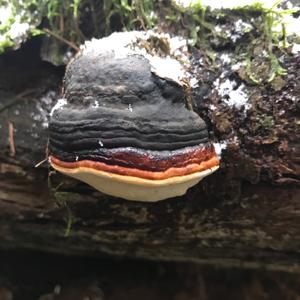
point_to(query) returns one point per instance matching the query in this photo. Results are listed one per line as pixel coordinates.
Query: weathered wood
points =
(247, 214)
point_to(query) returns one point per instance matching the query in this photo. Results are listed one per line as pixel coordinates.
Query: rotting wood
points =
(11, 141)
(247, 214)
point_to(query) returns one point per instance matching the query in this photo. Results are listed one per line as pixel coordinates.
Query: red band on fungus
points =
(171, 172)
(149, 162)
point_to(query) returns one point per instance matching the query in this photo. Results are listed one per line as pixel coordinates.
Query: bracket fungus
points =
(122, 125)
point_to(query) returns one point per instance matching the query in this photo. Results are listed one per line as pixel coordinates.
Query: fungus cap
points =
(122, 125)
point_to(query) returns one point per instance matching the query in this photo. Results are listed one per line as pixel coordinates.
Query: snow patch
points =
(238, 65)
(291, 25)
(212, 107)
(225, 58)
(296, 48)
(96, 104)
(167, 68)
(130, 108)
(194, 82)
(5, 14)
(219, 147)
(231, 94)
(59, 105)
(18, 29)
(241, 27)
(222, 145)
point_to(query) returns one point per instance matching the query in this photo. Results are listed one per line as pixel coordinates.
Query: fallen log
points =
(246, 214)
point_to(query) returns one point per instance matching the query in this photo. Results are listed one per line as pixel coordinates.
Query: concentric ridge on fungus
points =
(122, 125)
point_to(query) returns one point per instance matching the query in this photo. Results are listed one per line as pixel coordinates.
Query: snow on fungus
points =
(134, 43)
(60, 104)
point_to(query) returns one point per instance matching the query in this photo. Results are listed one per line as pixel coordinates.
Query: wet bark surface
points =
(247, 214)
(32, 275)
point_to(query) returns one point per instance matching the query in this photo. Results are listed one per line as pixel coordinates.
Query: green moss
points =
(71, 22)
(200, 22)
(266, 121)
(271, 40)
(7, 43)
(70, 220)
(62, 200)
(19, 13)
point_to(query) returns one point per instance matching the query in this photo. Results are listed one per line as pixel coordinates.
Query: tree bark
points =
(246, 214)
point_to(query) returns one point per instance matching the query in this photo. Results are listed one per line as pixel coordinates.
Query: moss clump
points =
(265, 36)
(69, 23)
(266, 121)
(62, 199)
(271, 40)
(72, 21)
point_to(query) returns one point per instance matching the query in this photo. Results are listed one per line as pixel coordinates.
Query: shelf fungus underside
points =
(126, 131)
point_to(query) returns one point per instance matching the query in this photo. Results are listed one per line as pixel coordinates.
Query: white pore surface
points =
(134, 188)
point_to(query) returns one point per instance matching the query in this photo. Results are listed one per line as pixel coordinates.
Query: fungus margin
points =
(135, 188)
